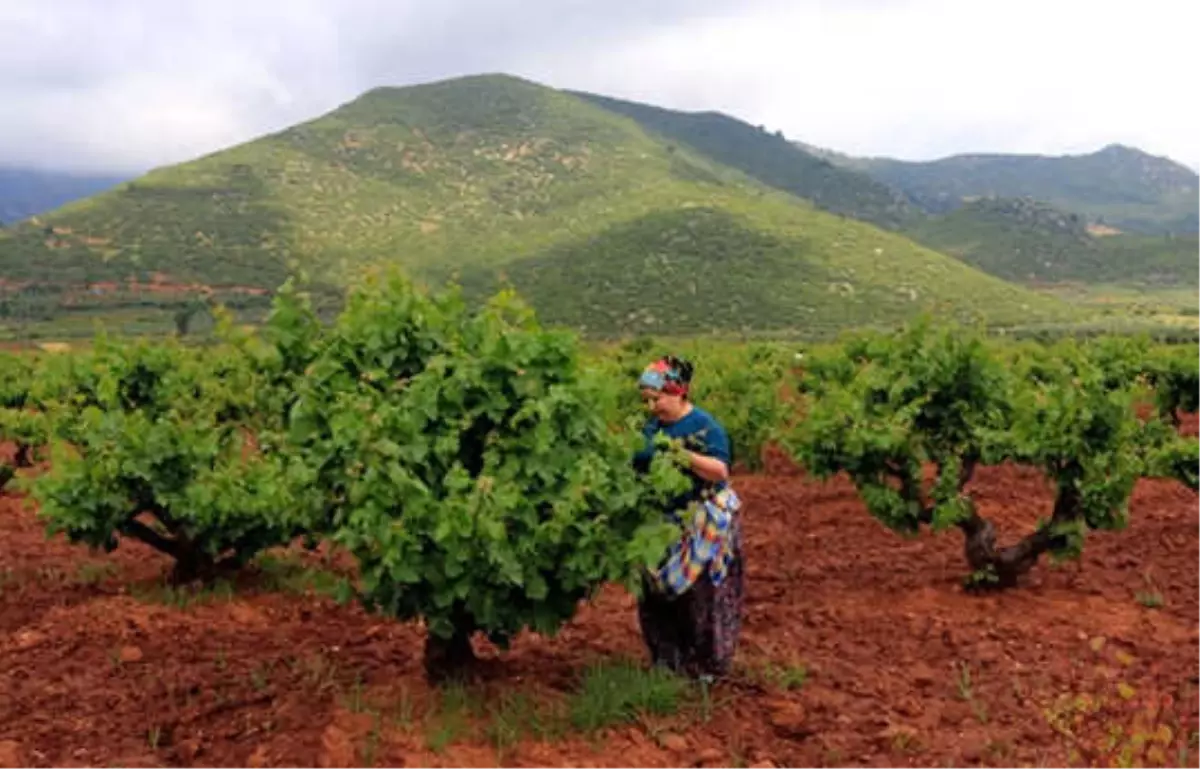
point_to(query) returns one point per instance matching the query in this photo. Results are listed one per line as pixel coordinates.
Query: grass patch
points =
(783, 676)
(1150, 596)
(371, 744)
(966, 692)
(356, 700)
(260, 677)
(318, 673)
(277, 575)
(286, 575)
(183, 596)
(609, 693)
(8, 579)
(89, 574)
(1151, 599)
(619, 692)
(403, 710)
(517, 715)
(450, 721)
(791, 677)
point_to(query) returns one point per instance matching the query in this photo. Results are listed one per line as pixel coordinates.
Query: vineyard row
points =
(477, 466)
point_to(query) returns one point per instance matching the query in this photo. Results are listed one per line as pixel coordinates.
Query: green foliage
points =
(21, 422)
(278, 355)
(16, 377)
(1180, 459)
(1123, 362)
(469, 463)
(1174, 373)
(1070, 422)
(881, 407)
(746, 389)
(27, 430)
(159, 450)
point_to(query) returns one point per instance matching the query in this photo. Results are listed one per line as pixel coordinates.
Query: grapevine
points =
(22, 422)
(882, 408)
(151, 443)
(467, 461)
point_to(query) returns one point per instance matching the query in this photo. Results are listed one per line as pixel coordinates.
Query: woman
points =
(690, 612)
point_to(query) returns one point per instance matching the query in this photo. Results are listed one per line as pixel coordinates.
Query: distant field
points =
(1166, 306)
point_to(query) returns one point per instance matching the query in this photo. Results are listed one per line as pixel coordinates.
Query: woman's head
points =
(665, 384)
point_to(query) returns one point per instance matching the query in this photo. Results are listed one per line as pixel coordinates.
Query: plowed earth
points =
(904, 667)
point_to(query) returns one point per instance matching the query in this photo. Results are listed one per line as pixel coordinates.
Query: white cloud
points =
(926, 78)
(129, 84)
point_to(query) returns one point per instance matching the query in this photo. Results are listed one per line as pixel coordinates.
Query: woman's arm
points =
(708, 468)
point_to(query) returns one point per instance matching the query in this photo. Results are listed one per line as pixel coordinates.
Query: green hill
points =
(491, 176)
(772, 160)
(1119, 186)
(1024, 238)
(740, 264)
(1164, 260)
(1032, 242)
(1014, 238)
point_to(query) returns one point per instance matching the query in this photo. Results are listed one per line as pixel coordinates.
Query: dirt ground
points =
(98, 668)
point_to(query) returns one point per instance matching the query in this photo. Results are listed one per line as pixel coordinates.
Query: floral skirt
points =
(695, 633)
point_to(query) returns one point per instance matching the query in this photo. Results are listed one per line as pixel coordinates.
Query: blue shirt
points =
(700, 433)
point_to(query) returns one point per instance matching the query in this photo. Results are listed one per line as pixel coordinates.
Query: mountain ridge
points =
(770, 159)
(1118, 185)
(1032, 242)
(491, 176)
(26, 192)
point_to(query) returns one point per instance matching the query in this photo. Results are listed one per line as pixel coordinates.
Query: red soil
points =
(91, 675)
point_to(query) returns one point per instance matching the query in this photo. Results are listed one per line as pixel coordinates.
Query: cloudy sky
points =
(126, 85)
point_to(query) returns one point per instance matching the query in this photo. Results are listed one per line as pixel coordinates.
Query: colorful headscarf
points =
(662, 376)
